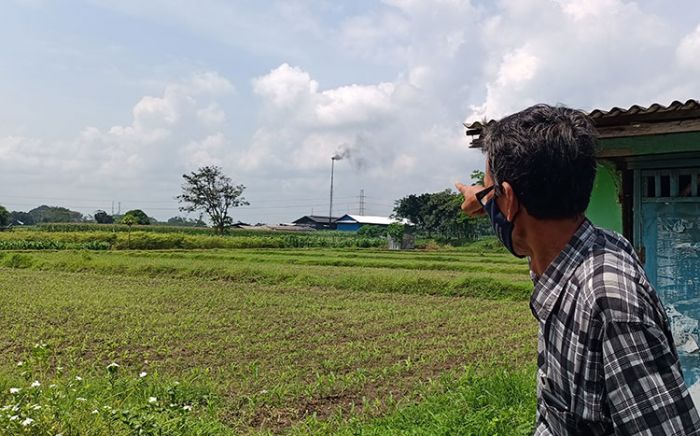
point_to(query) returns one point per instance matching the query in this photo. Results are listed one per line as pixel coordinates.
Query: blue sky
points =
(105, 101)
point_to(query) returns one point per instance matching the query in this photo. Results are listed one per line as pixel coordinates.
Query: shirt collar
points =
(549, 285)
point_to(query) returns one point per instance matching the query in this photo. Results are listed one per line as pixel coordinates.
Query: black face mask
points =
(502, 227)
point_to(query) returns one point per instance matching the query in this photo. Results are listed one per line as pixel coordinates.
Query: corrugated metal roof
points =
(317, 218)
(677, 110)
(616, 116)
(363, 219)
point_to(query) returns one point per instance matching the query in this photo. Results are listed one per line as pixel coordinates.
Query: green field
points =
(266, 340)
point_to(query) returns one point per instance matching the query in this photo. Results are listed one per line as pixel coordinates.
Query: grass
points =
(324, 271)
(143, 237)
(261, 341)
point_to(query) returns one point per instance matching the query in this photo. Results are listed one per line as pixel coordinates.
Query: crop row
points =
(501, 285)
(320, 257)
(276, 358)
(142, 240)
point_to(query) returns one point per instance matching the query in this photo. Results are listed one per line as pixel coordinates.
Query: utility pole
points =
(112, 207)
(362, 202)
(119, 208)
(330, 210)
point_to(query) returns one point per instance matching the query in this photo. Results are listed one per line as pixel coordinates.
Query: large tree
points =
(210, 191)
(4, 216)
(102, 217)
(139, 216)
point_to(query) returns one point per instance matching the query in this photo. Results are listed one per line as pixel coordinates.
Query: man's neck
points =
(547, 238)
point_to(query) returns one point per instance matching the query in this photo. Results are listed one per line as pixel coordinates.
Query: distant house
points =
(317, 222)
(351, 223)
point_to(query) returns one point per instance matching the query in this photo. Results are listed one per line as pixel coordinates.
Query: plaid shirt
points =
(606, 359)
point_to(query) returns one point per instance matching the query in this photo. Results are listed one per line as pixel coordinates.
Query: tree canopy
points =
(138, 216)
(4, 217)
(210, 191)
(54, 214)
(102, 217)
(439, 214)
(186, 222)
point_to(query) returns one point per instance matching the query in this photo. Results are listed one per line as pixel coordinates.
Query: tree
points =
(55, 214)
(477, 177)
(21, 218)
(439, 214)
(101, 217)
(186, 222)
(138, 215)
(209, 190)
(4, 216)
(412, 208)
(129, 220)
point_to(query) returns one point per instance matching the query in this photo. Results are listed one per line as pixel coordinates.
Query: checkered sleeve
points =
(646, 392)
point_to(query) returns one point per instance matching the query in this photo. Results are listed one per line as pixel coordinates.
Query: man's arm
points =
(644, 384)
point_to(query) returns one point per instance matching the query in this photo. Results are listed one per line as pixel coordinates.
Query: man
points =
(606, 359)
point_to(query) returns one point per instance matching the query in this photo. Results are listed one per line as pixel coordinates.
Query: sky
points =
(111, 102)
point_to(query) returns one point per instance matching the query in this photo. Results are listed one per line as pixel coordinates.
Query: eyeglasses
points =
(483, 193)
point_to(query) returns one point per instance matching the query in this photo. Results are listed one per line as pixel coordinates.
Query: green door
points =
(669, 223)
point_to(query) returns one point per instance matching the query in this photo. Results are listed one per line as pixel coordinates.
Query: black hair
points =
(547, 154)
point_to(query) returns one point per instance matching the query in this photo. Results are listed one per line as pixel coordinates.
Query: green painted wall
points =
(605, 209)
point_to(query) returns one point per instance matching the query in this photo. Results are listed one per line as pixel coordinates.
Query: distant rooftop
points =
(317, 218)
(364, 219)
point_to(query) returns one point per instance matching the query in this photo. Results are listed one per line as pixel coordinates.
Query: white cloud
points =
(211, 115)
(163, 134)
(390, 81)
(688, 52)
(583, 53)
(285, 85)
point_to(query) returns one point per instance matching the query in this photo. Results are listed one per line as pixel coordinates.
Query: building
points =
(317, 222)
(355, 222)
(648, 188)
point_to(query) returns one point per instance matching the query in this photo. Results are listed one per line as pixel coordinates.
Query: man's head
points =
(547, 155)
(540, 167)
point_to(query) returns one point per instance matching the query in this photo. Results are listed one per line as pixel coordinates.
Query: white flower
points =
(36, 407)
(15, 408)
(264, 391)
(152, 400)
(187, 407)
(36, 384)
(4, 408)
(78, 378)
(20, 363)
(15, 390)
(113, 365)
(27, 422)
(80, 399)
(59, 368)
(14, 418)
(143, 374)
(95, 412)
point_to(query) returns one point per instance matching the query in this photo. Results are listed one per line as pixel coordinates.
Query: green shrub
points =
(369, 231)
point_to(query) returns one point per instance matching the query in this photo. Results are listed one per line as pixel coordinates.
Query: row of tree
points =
(207, 190)
(56, 214)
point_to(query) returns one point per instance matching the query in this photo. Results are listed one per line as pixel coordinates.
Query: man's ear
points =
(511, 204)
